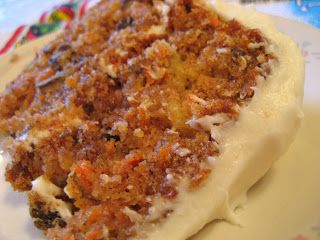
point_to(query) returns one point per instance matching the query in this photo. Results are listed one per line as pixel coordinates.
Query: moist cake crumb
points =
(113, 112)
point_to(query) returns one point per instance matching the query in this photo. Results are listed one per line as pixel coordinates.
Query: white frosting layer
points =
(263, 132)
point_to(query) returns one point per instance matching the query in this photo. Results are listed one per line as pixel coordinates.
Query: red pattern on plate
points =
(49, 21)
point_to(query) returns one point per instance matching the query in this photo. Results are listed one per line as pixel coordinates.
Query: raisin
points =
(64, 47)
(13, 134)
(61, 223)
(237, 52)
(118, 84)
(44, 220)
(54, 61)
(88, 108)
(187, 6)
(110, 137)
(135, 207)
(124, 22)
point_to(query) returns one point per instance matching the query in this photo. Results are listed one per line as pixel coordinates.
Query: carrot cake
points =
(124, 111)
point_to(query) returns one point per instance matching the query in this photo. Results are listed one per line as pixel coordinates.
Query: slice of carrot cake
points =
(146, 118)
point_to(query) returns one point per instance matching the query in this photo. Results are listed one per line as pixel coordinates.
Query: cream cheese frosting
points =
(263, 132)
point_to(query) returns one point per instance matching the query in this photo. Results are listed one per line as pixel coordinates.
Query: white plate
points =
(284, 205)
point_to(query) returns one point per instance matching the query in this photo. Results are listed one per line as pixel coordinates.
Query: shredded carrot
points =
(198, 179)
(215, 21)
(134, 160)
(68, 237)
(253, 74)
(142, 117)
(84, 172)
(94, 234)
(165, 151)
(130, 115)
(150, 80)
(71, 82)
(96, 214)
(84, 169)
(110, 147)
(127, 164)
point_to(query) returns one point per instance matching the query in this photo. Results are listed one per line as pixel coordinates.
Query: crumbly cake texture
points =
(112, 113)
